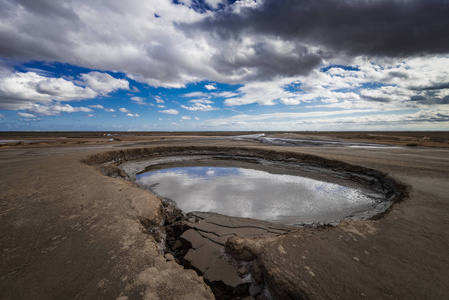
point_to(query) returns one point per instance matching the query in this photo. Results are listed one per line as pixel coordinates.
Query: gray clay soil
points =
(69, 232)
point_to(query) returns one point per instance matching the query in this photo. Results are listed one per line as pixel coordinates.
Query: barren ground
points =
(69, 232)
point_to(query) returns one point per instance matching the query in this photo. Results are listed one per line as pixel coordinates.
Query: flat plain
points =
(69, 232)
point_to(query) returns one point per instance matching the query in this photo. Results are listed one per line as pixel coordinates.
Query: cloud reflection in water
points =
(255, 194)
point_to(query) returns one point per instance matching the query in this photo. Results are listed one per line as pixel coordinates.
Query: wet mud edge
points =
(224, 249)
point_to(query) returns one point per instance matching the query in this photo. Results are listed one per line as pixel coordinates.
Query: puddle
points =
(307, 142)
(250, 193)
(4, 142)
(317, 143)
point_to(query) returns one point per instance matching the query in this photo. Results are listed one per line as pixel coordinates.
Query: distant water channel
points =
(250, 193)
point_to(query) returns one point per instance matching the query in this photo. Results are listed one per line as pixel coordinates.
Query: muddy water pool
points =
(250, 193)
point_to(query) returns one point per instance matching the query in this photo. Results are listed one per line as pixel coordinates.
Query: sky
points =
(217, 65)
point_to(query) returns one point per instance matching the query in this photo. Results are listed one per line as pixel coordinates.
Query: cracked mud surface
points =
(68, 232)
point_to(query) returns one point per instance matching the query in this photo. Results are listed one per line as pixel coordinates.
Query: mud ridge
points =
(394, 191)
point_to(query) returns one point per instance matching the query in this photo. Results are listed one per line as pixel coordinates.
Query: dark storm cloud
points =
(435, 86)
(43, 34)
(265, 63)
(101, 35)
(433, 119)
(351, 27)
(430, 99)
(49, 8)
(240, 42)
(400, 75)
(376, 99)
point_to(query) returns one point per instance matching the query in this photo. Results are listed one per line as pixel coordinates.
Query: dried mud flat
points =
(69, 232)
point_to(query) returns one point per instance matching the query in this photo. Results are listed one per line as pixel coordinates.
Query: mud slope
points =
(68, 232)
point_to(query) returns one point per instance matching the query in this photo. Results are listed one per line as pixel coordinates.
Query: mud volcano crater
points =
(223, 248)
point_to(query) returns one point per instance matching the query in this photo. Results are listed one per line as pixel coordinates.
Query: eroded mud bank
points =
(225, 250)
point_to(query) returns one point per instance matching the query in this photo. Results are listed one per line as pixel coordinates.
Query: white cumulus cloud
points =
(26, 115)
(170, 111)
(138, 100)
(103, 83)
(210, 87)
(199, 107)
(98, 106)
(55, 109)
(19, 90)
(159, 99)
